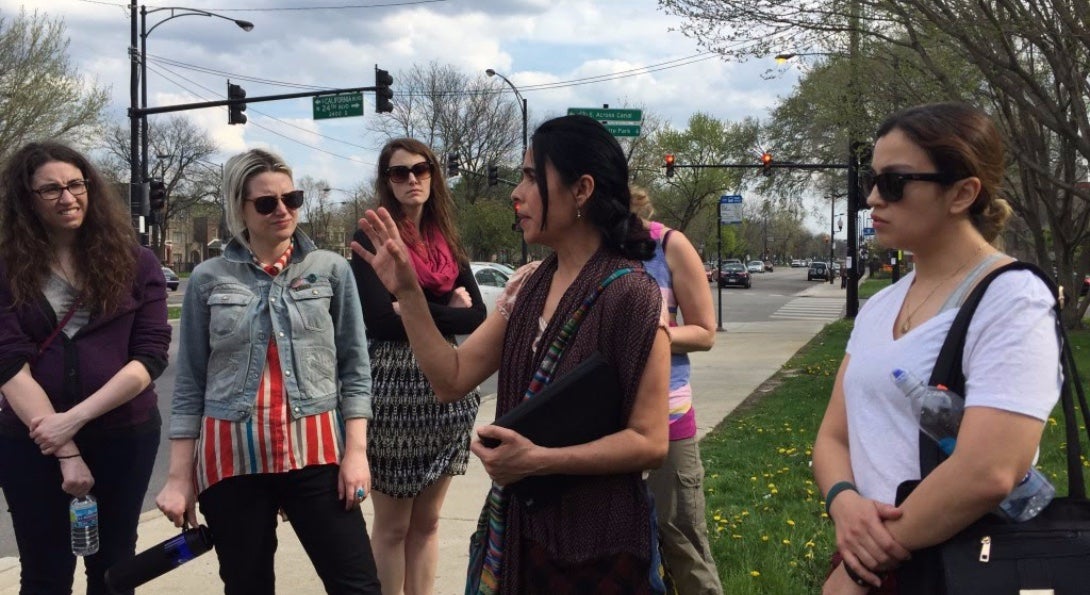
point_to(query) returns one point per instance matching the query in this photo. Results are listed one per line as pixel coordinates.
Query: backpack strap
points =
(948, 372)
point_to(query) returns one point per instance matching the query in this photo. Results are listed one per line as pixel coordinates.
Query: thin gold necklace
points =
(906, 324)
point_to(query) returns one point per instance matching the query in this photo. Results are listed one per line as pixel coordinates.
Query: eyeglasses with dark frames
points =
(265, 205)
(54, 191)
(399, 174)
(891, 185)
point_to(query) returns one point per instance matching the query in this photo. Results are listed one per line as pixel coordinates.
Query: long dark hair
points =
(964, 141)
(439, 208)
(578, 146)
(105, 249)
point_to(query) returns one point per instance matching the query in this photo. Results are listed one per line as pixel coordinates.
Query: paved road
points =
(773, 297)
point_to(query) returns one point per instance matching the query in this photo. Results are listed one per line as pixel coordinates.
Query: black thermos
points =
(159, 559)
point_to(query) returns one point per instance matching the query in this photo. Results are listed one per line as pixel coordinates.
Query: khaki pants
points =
(678, 488)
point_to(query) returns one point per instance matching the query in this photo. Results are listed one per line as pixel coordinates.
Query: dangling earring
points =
(578, 213)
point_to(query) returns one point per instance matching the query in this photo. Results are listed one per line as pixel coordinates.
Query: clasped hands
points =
(864, 542)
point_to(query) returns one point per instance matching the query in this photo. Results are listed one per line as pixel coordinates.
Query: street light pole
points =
(525, 136)
(141, 172)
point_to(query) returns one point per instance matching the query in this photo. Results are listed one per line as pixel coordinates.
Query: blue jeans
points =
(241, 513)
(121, 463)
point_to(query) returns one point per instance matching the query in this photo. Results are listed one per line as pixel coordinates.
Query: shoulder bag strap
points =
(545, 372)
(948, 372)
(60, 326)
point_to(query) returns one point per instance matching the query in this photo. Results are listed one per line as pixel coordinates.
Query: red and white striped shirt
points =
(269, 441)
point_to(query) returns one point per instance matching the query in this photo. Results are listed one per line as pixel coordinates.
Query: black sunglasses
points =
(267, 204)
(891, 185)
(399, 174)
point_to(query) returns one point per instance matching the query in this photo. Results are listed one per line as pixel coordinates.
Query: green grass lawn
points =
(766, 518)
(871, 287)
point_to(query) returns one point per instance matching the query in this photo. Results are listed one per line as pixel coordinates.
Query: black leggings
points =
(120, 463)
(241, 512)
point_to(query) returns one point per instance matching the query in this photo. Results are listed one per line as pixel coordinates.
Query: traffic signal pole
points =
(854, 204)
(181, 107)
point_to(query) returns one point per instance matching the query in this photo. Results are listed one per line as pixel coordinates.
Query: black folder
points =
(579, 407)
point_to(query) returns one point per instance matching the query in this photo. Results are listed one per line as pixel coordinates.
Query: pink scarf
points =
(434, 263)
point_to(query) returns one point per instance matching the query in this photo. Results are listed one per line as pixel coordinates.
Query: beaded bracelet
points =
(834, 491)
(68, 456)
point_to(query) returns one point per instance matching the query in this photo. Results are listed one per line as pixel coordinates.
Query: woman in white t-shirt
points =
(933, 190)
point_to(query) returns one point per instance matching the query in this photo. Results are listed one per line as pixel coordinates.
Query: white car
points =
(491, 279)
(756, 266)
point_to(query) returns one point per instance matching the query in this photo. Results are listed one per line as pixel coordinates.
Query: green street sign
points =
(608, 115)
(341, 105)
(623, 129)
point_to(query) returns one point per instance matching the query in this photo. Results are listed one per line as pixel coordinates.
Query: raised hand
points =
(391, 257)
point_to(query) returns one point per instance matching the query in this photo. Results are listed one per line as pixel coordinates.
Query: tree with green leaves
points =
(42, 96)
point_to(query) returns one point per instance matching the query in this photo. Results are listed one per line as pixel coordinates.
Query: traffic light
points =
(383, 94)
(452, 165)
(493, 175)
(156, 199)
(766, 163)
(669, 165)
(235, 115)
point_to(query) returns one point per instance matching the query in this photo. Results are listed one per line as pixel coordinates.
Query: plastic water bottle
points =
(83, 516)
(940, 411)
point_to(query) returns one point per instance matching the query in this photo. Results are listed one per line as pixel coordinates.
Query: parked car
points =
(768, 266)
(172, 279)
(734, 273)
(797, 264)
(755, 266)
(709, 270)
(818, 270)
(491, 279)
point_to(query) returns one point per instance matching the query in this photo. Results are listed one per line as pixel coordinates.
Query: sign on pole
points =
(730, 208)
(341, 105)
(619, 122)
(868, 231)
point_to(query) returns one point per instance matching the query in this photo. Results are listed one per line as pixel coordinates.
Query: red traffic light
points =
(766, 162)
(669, 165)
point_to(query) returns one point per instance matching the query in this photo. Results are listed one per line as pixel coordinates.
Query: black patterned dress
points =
(412, 438)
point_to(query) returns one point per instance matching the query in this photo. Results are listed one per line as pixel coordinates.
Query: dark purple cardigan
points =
(72, 369)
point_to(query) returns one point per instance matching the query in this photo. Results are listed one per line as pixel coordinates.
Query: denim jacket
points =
(231, 309)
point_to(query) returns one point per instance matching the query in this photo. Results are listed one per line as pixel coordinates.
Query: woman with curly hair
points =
(83, 333)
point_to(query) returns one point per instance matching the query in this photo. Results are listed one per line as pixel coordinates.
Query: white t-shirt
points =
(1011, 362)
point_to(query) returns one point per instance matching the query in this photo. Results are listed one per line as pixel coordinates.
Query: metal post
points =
(525, 141)
(135, 186)
(143, 104)
(832, 237)
(718, 269)
(854, 149)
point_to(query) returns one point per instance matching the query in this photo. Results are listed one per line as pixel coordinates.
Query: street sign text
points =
(341, 105)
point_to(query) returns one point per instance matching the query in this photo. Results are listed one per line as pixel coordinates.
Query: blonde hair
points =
(641, 203)
(238, 172)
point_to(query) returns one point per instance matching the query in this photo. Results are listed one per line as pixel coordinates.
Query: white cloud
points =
(532, 42)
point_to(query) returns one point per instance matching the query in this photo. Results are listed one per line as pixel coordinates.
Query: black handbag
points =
(1048, 554)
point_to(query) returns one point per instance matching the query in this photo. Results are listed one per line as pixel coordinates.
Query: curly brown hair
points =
(105, 248)
(438, 210)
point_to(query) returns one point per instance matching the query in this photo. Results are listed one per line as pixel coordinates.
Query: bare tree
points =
(178, 153)
(470, 116)
(42, 96)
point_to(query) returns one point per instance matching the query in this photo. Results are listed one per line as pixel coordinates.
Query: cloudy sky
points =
(300, 45)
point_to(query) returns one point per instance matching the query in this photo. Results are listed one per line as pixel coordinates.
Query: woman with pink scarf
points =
(415, 444)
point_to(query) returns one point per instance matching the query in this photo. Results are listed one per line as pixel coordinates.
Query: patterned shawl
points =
(609, 514)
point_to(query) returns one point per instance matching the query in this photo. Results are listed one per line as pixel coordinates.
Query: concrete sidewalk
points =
(744, 357)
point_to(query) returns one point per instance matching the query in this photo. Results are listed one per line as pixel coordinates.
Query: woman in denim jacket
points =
(273, 393)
